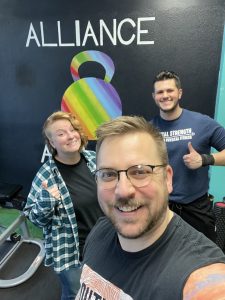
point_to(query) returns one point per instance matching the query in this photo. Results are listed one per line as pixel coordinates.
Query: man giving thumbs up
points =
(189, 137)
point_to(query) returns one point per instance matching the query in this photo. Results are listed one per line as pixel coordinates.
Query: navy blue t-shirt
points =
(203, 132)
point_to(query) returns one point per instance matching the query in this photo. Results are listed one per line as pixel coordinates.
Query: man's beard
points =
(170, 110)
(153, 222)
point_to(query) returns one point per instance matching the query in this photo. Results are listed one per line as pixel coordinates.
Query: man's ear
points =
(169, 178)
(180, 93)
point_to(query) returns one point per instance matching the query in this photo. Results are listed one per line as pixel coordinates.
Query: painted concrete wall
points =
(217, 183)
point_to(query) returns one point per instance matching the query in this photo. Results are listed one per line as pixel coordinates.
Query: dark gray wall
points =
(187, 39)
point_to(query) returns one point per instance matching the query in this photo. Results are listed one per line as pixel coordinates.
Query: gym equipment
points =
(22, 273)
(219, 210)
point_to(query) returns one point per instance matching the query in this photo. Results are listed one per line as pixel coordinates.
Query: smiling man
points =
(189, 137)
(142, 250)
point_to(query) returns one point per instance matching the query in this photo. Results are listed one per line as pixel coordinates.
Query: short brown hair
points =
(129, 124)
(61, 115)
(165, 75)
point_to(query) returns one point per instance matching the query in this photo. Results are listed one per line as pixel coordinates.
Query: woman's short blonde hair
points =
(61, 115)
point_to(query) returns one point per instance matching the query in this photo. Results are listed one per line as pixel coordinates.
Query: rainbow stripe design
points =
(92, 100)
(96, 56)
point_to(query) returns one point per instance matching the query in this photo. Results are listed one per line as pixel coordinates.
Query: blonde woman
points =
(63, 198)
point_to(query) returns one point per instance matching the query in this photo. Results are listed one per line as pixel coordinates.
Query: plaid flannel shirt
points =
(56, 217)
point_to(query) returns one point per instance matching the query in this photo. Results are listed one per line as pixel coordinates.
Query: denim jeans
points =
(70, 283)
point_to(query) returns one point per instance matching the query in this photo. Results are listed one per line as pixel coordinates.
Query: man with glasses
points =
(141, 249)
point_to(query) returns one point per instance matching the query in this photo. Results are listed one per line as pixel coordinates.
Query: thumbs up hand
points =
(193, 160)
(53, 190)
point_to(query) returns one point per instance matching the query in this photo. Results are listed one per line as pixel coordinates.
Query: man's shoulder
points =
(155, 118)
(101, 234)
(206, 283)
(102, 231)
(102, 226)
(195, 115)
(157, 121)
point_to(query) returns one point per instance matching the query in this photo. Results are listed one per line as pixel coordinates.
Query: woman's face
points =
(64, 138)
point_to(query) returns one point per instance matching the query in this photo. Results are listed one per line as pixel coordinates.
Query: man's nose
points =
(165, 94)
(124, 187)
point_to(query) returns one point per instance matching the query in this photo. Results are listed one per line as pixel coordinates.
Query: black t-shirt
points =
(82, 188)
(158, 272)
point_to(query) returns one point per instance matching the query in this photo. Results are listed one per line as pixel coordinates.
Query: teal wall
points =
(217, 182)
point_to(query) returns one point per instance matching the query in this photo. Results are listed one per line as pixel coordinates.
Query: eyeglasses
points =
(139, 175)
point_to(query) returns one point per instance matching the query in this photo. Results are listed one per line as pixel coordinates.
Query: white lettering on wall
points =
(137, 32)
(43, 38)
(106, 30)
(143, 31)
(45, 154)
(89, 33)
(32, 36)
(122, 41)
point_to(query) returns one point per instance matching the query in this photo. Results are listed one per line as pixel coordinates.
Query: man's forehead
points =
(166, 82)
(133, 146)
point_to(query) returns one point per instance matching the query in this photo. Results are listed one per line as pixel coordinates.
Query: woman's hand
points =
(53, 190)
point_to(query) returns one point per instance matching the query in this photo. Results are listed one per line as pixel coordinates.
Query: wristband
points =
(207, 160)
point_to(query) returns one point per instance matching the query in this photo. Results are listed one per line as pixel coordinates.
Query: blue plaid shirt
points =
(56, 217)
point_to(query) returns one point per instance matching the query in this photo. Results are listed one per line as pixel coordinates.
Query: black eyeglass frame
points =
(126, 171)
